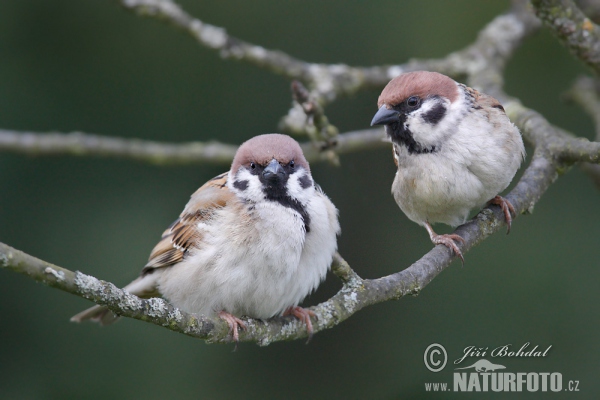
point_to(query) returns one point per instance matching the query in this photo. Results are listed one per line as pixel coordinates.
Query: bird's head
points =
(271, 167)
(417, 110)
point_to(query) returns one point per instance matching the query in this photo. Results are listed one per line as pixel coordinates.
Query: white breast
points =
(256, 266)
(477, 159)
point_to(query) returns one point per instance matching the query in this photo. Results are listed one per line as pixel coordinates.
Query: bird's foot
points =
(507, 209)
(303, 315)
(234, 324)
(447, 240)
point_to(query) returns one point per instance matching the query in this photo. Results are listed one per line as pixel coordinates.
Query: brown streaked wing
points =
(183, 234)
(484, 99)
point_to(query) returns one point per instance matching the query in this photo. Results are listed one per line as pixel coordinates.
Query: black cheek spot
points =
(305, 182)
(240, 185)
(434, 115)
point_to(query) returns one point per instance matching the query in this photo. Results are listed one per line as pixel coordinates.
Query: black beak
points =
(385, 116)
(273, 171)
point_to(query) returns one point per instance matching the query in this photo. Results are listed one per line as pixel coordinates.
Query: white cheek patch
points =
(424, 132)
(245, 185)
(298, 187)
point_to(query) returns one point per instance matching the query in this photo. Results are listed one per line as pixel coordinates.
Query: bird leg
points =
(303, 315)
(447, 240)
(234, 323)
(507, 208)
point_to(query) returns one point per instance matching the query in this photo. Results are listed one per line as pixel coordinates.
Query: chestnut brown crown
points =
(264, 148)
(420, 83)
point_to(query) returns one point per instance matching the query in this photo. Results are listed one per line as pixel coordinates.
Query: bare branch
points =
(159, 312)
(495, 43)
(481, 62)
(85, 144)
(213, 152)
(314, 123)
(574, 29)
(217, 38)
(322, 130)
(156, 311)
(572, 150)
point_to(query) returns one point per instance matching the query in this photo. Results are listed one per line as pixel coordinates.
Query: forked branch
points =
(481, 65)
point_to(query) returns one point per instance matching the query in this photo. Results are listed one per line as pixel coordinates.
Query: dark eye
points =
(412, 101)
(252, 165)
(292, 164)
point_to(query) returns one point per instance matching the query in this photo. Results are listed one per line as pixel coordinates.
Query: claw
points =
(447, 240)
(303, 315)
(507, 208)
(234, 324)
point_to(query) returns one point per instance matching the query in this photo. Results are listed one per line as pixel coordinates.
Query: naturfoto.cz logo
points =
(484, 375)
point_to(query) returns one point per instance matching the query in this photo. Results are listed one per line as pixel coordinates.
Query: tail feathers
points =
(99, 314)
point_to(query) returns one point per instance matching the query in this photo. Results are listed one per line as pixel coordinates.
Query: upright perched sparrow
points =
(251, 242)
(454, 147)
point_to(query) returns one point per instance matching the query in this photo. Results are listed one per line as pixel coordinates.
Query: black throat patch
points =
(402, 136)
(276, 190)
(279, 194)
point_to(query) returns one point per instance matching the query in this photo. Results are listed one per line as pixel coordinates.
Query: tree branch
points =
(85, 144)
(217, 38)
(573, 28)
(496, 42)
(493, 47)
(482, 65)
(321, 129)
(355, 294)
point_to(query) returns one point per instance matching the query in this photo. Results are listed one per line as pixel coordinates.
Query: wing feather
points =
(184, 234)
(484, 99)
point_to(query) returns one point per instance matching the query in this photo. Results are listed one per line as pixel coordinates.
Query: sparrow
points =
(454, 147)
(254, 241)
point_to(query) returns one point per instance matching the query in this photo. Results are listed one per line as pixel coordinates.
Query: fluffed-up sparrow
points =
(454, 147)
(253, 241)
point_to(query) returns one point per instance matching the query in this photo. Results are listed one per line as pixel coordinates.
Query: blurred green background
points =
(72, 65)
